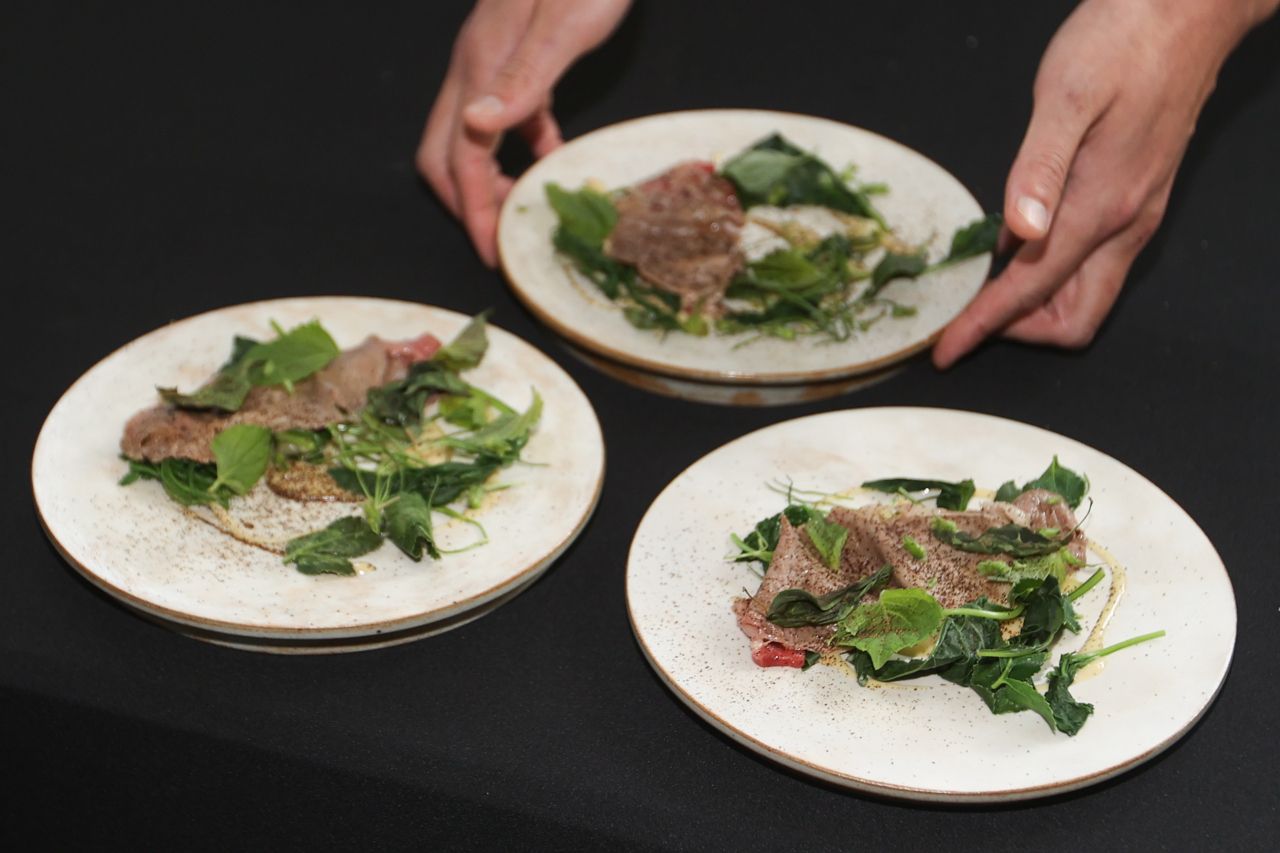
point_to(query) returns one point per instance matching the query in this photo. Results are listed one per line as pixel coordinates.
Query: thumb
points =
(521, 87)
(1039, 173)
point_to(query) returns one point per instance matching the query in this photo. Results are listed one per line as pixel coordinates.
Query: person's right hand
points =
(506, 60)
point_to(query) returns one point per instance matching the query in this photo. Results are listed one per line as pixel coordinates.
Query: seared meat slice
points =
(876, 538)
(330, 395)
(680, 230)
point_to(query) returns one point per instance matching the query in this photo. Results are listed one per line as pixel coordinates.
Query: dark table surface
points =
(161, 160)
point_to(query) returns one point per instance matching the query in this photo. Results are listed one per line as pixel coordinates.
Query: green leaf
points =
(468, 348)
(901, 618)
(304, 445)
(470, 411)
(610, 275)
(829, 538)
(185, 481)
(776, 172)
(810, 658)
(225, 391)
(952, 495)
(1062, 481)
(242, 452)
(1012, 539)
(795, 608)
(331, 549)
(291, 357)
(1047, 611)
(409, 526)
(586, 214)
(976, 238)
(504, 436)
(1059, 564)
(401, 401)
(912, 547)
(1068, 714)
(1008, 492)
(893, 266)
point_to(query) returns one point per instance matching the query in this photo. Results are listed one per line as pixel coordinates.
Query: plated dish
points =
(927, 739)
(160, 559)
(924, 205)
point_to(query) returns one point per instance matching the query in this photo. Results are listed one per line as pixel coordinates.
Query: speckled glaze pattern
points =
(925, 204)
(144, 549)
(931, 740)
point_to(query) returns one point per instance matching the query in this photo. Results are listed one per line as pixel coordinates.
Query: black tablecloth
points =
(165, 159)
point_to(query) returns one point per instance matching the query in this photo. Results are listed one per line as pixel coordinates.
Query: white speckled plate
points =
(933, 741)
(924, 204)
(143, 549)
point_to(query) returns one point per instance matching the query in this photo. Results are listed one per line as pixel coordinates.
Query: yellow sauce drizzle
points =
(1119, 581)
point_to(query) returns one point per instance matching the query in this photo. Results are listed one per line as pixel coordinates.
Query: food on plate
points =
(391, 426)
(774, 243)
(977, 596)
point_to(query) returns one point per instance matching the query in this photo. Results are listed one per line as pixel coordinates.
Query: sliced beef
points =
(331, 395)
(876, 538)
(681, 230)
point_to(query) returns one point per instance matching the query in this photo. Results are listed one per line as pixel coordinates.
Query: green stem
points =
(1133, 641)
(986, 614)
(1086, 586)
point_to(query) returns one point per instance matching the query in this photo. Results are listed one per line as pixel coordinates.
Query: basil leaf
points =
(829, 538)
(242, 452)
(976, 238)
(893, 266)
(468, 348)
(1012, 539)
(796, 608)
(409, 526)
(776, 172)
(291, 357)
(1062, 481)
(901, 618)
(331, 549)
(953, 495)
(586, 213)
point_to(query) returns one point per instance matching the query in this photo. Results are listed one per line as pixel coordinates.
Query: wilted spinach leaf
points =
(795, 608)
(952, 495)
(409, 526)
(776, 172)
(1012, 539)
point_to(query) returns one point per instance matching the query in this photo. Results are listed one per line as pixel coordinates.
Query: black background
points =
(163, 159)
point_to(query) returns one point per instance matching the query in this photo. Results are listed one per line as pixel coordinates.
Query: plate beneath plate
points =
(144, 549)
(930, 740)
(925, 204)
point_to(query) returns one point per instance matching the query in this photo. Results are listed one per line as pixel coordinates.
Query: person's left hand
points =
(1116, 100)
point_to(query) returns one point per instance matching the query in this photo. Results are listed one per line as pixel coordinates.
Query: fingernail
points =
(489, 105)
(1036, 214)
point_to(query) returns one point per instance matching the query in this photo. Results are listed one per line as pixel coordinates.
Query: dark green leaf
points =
(586, 213)
(409, 526)
(1010, 539)
(952, 495)
(976, 238)
(893, 266)
(1008, 492)
(185, 481)
(810, 658)
(609, 274)
(1062, 481)
(468, 348)
(1068, 714)
(331, 549)
(401, 401)
(242, 452)
(1047, 612)
(795, 608)
(225, 391)
(776, 172)
(503, 437)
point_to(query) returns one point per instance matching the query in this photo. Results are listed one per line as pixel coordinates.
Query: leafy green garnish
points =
(1011, 539)
(912, 547)
(291, 357)
(829, 538)
(1056, 478)
(794, 608)
(401, 401)
(774, 171)
(893, 266)
(184, 480)
(977, 238)
(585, 214)
(951, 495)
(1058, 564)
(762, 541)
(409, 526)
(330, 550)
(242, 452)
(468, 348)
(901, 618)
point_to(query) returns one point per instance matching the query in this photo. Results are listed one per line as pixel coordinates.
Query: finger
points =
(555, 38)
(1072, 315)
(432, 157)
(1038, 177)
(476, 173)
(541, 132)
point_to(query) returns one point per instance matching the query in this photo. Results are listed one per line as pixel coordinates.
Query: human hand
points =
(1116, 100)
(507, 58)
